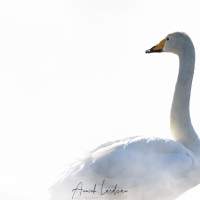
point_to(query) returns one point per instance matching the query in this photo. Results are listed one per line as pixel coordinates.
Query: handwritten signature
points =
(80, 190)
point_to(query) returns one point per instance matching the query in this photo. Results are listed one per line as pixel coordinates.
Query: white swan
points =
(140, 168)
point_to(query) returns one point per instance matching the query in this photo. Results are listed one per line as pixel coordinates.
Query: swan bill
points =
(157, 48)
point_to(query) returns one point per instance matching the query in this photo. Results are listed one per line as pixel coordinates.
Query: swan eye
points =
(167, 39)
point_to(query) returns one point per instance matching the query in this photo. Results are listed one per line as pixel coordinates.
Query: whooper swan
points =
(141, 168)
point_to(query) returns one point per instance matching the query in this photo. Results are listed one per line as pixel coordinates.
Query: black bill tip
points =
(154, 50)
(151, 50)
(148, 51)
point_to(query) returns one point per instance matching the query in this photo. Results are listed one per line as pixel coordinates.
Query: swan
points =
(140, 168)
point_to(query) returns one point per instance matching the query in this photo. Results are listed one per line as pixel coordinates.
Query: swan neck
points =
(180, 121)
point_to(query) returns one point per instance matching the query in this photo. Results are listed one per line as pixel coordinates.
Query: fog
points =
(73, 74)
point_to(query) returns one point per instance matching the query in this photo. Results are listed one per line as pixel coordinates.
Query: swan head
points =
(176, 43)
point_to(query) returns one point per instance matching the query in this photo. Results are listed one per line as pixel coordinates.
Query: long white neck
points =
(181, 126)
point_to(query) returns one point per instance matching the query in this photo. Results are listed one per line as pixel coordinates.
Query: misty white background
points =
(74, 74)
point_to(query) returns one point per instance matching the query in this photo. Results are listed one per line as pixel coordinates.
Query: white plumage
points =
(140, 168)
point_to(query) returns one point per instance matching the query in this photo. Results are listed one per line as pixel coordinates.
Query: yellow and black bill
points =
(157, 48)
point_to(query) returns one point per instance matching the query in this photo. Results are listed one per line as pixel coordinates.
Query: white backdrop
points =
(74, 74)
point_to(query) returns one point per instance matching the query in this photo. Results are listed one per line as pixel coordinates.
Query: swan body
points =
(139, 168)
